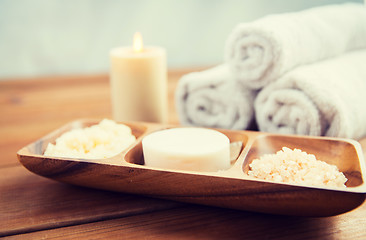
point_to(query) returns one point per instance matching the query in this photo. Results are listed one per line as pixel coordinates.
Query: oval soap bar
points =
(192, 149)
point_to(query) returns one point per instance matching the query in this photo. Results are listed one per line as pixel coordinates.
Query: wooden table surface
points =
(33, 207)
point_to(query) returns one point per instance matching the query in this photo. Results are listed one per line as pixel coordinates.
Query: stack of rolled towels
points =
(294, 73)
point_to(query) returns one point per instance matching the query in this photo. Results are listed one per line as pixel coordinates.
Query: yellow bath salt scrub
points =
(296, 166)
(192, 149)
(100, 141)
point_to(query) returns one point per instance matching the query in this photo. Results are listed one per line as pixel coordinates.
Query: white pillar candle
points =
(138, 78)
(193, 149)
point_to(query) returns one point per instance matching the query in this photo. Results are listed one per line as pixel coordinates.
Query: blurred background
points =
(64, 37)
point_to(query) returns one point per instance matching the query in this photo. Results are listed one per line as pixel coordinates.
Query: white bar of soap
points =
(192, 149)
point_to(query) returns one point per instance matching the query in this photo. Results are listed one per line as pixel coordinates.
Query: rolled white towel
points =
(261, 51)
(327, 98)
(212, 99)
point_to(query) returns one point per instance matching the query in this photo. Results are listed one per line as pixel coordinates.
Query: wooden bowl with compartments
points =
(232, 188)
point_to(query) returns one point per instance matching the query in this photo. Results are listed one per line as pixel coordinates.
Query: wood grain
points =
(31, 108)
(213, 223)
(31, 203)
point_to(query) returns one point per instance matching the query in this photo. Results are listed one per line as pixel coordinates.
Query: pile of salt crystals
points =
(296, 166)
(100, 141)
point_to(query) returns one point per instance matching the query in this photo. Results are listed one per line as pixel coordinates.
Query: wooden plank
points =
(31, 109)
(29, 203)
(195, 222)
(32, 203)
(34, 107)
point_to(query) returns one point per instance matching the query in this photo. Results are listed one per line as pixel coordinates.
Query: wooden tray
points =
(232, 188)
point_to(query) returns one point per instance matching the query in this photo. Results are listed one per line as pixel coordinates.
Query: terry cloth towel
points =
(327, 98)
(261, 51)
(212, 99)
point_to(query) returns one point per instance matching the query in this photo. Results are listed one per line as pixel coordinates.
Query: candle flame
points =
(137, 42)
